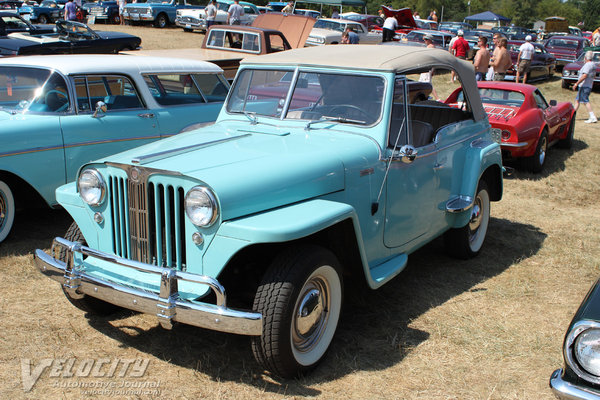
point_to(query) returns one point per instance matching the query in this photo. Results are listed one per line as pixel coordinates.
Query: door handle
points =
(146, 115)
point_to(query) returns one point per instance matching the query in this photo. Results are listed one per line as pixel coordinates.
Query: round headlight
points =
(566, 73)
(587, 350)
(201, 206)
(91, 187)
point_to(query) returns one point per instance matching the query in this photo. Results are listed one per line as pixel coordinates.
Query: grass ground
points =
(488, 328)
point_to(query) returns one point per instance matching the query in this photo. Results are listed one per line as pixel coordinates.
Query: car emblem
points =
(134, 174)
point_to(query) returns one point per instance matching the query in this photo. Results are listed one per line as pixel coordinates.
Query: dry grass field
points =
(488, 328)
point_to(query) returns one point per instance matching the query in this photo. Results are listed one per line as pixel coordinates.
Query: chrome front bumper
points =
(166, 305)
(568, 391)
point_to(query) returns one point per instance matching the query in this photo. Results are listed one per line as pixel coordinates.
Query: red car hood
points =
(403, 16)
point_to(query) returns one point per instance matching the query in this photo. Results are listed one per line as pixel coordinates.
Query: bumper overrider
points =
(166, 305)
(569, 391)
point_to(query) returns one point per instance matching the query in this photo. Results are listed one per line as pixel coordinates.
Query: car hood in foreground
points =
(255, 168)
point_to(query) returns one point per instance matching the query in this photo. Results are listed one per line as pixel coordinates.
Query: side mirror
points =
(406, 154)
(100, 109)
(553, 103)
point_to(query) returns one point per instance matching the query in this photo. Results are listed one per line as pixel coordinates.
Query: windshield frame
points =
(296, 71)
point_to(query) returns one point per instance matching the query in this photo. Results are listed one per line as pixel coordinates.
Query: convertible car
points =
(526, 123)
(70, 38)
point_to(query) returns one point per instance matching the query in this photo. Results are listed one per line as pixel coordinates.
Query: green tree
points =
(590, 10)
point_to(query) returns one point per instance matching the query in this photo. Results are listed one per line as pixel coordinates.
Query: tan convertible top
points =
(384, 58)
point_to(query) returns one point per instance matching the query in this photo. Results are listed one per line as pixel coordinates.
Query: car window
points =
(214, 87)
(116, 91)
(356, 28)
(501, 97)
(249, 10)
(174, 89)
(14, 23)
(216, 38)
(250, 42)
(540, 100)
(32, 90)
(276, 42)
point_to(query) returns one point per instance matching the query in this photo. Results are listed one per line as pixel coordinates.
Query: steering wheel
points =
(52, 97)
(352, 109)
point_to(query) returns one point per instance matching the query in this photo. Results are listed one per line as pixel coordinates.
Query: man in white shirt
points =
(585, 83)
(524, 59)
(234, 14)
(211, 13)
(389, 28)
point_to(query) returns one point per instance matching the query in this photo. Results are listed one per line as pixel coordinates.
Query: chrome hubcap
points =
(311, 314)
(475, 221)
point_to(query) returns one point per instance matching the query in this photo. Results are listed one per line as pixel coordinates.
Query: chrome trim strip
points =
(568, 391)
(173, 152)
(166, 305)
(517, 145)
(459, 203)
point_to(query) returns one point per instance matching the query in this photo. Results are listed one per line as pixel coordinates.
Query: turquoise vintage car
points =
(59, 112)
(316, 170)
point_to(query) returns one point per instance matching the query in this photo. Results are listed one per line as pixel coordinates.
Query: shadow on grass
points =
(374, 331)
(35, 229)
(555, 161)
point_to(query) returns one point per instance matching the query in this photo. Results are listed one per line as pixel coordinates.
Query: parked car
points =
(161, 14)
(580, 377)
(542, 65)
(59, 112)
(440, 39)
(70, 37)
(309, 13)
(369, 21)
(329, 31)
(191, 19)
(273, 206)
(516, 32)
(406, 22)
(527, 124)
(426, 24)
(453, 27)
(566, 49)
(570, 72)
(106, 11)
(11, 22)
(472, 37)
(10, 5)
(227, 45)
(47, 12)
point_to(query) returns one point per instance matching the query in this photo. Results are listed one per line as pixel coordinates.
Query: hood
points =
(294, 27)
(403, 16)
(575, 66)
(315, 32)
(252, 168)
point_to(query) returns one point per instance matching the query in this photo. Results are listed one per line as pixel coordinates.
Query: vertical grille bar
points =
(168, 230)
(114, 208)
(178, 238)
(123, 219)
(158, 224)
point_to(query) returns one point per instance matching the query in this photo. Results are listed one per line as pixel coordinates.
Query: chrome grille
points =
(148, 219)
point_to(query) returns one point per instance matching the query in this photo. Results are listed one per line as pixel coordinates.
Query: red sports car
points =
(526, 123)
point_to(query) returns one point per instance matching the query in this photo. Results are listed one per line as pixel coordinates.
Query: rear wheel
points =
(43, 19)
(115, 19)
(88, 304)
(300, 298)
(466, 242)
(537, 161)
(7, 210)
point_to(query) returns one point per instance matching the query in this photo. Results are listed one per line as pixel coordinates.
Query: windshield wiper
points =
(251, 116)
(334, 119)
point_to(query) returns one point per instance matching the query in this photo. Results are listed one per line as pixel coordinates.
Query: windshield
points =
(74, 30)
(314, 96)
(570, 44)
(334, 26)
(32, 90)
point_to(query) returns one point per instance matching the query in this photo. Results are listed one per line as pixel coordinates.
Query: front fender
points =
(278, 226)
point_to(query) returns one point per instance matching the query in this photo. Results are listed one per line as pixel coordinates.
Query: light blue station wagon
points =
(316, 170)
(60, 112)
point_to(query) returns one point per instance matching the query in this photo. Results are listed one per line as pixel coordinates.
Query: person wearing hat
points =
(524, 59)
(585, 83)
(459, 48)
(289, 8)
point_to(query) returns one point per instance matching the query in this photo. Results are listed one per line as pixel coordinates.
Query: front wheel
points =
(7, 210)
(300, 298)
(43, 19)
(161, 21)
(565, 84)
(115, 19)
(91, 305)
(466, 242)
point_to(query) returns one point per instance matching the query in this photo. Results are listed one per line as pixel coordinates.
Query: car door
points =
(551, 115)
(90, 134)
(410, 186)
